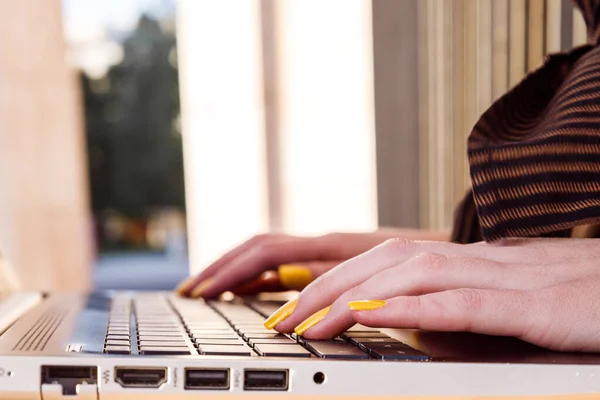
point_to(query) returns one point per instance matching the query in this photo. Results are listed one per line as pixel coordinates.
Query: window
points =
(126, 51)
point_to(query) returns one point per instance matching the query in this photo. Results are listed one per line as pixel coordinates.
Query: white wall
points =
(325, 129)
(327, 115)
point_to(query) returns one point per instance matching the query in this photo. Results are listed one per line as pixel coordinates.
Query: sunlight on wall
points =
(325, 124)
(327, 116)
(223, 124)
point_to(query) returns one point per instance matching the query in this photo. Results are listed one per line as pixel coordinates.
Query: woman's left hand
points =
(544, 291)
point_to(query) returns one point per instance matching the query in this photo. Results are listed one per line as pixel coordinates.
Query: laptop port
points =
(140, 377)
(262, 379)
(206, 379)
(69, 377)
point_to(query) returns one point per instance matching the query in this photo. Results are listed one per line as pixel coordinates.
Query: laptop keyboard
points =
(157, 324)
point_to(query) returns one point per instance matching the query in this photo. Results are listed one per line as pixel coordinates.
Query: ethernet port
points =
(69, 376)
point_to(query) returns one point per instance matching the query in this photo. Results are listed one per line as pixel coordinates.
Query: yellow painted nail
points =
(202, 286)
(295, 277)
(282, 313)
(311, 321)
(184, 286)
(366, 305)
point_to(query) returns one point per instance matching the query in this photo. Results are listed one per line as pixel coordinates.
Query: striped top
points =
(534, 155)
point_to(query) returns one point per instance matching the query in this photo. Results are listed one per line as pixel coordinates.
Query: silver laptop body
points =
(143, 345)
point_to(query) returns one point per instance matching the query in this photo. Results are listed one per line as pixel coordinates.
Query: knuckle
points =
(469, 300)
(260, 238)
(354, 293)
(331, 236)
(414, 306)
(431, 262)
(398, 244)
(266, 250)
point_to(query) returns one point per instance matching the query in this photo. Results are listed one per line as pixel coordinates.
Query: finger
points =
(326, 289)
(423, 274)
(485, 311)
(252, 254)
(287, 277)
(267, 282)
(264, 257)
(188, 285)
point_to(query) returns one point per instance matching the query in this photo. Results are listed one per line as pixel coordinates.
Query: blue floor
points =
(139, 271)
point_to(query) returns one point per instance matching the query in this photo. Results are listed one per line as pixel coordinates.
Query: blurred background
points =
(140, 139)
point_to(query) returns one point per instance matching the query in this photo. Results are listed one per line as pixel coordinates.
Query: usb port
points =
(262, 379)
(206, 379)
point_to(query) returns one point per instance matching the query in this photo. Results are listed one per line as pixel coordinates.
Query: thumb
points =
(298, 276)
(286, 277)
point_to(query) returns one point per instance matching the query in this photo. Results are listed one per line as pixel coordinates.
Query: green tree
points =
(134, 143)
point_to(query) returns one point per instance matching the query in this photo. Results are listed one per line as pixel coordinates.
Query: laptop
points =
(144, 345)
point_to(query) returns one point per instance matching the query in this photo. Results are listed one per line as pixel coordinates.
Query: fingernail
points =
(282, 313)
(366, 305)
(184, 286)
(295, 277)
(311, 321)
(202, 286)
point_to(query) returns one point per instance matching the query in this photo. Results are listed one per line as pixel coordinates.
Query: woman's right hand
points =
(297, 260)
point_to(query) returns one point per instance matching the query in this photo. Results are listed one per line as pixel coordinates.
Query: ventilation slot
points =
(41, 332)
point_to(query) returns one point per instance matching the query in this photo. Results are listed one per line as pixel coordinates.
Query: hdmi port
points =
(140, 377)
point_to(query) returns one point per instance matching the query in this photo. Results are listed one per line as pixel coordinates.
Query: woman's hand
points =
(298, 260)
(544, 291)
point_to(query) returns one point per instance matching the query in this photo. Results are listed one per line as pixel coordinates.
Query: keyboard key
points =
(160, 334)
(277, 350)
(158, 338)
(348, 335)
(117, 349)
(334, 340)
(112, 331)
(170, 321)
(238, 350)
(150, 343)
(164, 351)
(159, 329)
(117, 337)
(119, 326)
(399, 353)
(111, 342)
(367, 341)
(220, 324)
(284, 341)
(253, 330)
(337, 350)
(223, 342)
(253, 324)
(213, 332)
(223, 337)
(271, 335)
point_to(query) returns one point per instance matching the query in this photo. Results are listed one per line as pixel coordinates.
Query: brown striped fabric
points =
(535, 153)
